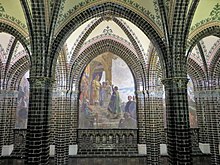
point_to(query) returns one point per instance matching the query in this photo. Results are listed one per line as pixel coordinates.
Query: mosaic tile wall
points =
(171, 48)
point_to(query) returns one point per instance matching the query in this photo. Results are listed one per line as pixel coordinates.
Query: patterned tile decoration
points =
(13, 19)
(215, 13)
(1, 8)
(132, 3)
(175, 92)
(112, 35)
(212, 52)
(136, 39)
(213, 16)
(79, 38)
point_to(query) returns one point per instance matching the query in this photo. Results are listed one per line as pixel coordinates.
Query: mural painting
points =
(22, 103)
(192, 105)
(107, 97)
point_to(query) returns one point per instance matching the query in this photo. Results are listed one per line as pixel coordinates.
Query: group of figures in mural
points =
(102, 104)
(105, 105)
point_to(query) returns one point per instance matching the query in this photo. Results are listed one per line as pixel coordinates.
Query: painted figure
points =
(84, 88)
(114, 104)
(130, 107)
(95, 90)
(108, 91)
(102, 93)
(127, 122)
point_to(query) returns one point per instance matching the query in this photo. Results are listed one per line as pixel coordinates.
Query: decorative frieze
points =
(107, 141)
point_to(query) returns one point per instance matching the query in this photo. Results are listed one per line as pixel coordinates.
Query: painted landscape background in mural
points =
(107, 97)
(22, 103)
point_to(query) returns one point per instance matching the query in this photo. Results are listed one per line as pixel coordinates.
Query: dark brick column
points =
(178, 128)
(9, 115)
(147, 125)
(154, 123)
(202, 114)
(156, 104)
(2, 96)
(62, 128)
(73, 117)
(8, 102)
(208, 120)
(53, 115)
(38, 136)
(213, 123)
(195, 140)
(141, 116)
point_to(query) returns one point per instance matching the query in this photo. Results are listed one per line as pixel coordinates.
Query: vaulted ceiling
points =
(207, 13)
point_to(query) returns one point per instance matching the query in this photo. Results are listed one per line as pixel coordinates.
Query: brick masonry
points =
(52, 117)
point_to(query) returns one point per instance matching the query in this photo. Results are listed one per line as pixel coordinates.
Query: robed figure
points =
(114, 104)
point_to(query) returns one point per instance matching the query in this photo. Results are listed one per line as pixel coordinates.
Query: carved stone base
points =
(142, 149)
(205, 148)
(7, 149)
(73, 149)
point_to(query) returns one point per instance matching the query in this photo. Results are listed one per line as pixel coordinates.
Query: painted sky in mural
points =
(107, 97)
(22, 103)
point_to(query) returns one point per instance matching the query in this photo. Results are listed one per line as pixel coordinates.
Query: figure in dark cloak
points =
(114, 104)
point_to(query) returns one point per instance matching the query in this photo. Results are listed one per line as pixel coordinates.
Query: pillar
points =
(141, 116)
(62, 127)
(178, 127)
(213, 122)
(8, 114)
(155, 118)
(74, 116)
(38, 135)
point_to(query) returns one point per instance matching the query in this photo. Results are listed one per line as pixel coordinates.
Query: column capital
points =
(40, 82)
(175, 82)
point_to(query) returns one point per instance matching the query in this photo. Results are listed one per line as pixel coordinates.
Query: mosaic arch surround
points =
(107, 98)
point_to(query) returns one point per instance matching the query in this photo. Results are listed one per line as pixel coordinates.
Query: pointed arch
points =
(106, 45)
(196, 73)
(202, 32)
(214, 61)
(215, 67)
(16, 72)
(108, 8)
(20, 36)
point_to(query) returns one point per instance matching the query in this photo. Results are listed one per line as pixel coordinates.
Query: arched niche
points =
(107, 94)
